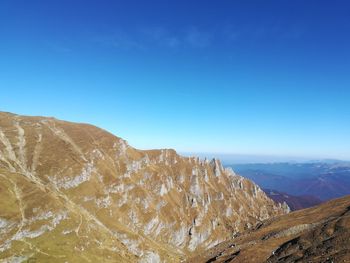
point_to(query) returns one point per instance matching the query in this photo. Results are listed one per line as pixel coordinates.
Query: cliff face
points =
(74, 192)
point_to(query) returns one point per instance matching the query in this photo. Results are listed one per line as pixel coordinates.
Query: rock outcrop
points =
(72, 192)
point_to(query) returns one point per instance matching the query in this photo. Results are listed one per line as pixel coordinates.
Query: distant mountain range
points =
(323, 180)
(294, 202)
(228, 159)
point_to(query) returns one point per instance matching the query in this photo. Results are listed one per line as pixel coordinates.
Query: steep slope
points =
(318, 234)
(76, 193)
(294, 202)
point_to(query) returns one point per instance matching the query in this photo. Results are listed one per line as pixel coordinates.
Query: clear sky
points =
(246, 77)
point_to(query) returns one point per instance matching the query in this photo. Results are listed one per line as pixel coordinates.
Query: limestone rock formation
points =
(72, 192)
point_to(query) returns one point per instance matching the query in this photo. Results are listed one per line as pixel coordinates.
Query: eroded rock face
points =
(68, 188)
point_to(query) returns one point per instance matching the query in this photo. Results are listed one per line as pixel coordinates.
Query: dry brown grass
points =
(318, 234)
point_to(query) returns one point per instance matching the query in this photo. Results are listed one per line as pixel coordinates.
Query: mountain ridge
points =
(318, 234)
(109, 201)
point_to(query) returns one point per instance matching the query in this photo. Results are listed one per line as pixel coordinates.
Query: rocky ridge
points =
(72, 192)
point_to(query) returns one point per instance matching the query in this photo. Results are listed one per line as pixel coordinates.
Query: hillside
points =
(72, 192)
(318, 234)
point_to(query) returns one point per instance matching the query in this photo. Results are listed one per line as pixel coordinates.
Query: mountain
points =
(318, 234)
(294, 202)
(325, 181)
(71, 192)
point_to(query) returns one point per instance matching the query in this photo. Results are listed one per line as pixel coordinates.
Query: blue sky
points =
(246, 77)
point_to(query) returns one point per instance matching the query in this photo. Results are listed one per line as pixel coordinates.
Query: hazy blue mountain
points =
(324, 180)
(294, 202)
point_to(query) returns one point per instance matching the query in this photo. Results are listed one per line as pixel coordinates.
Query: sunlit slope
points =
(317, 234)
(74, 192)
